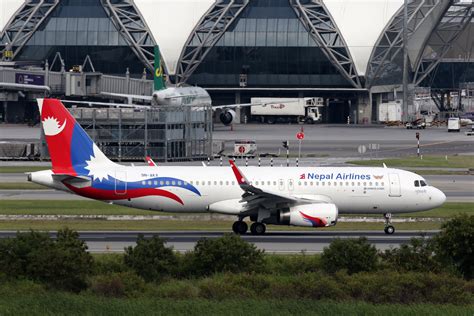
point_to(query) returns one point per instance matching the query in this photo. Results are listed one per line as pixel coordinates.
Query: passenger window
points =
(323, 183)
(143, 182)
(215, 182)
(370, 184)
(162, 183)
(353, 184)
(220, 182)
(197, 182)
(232, 182)
(149, 182)
(173, 182)
(376, 184)
(382, 184)
(274, 183)
(347, 184)
(227, 183)
(305, 183)
(209, 182)
(335, 183)
(179, 182)
(299, 183)
(417, 184)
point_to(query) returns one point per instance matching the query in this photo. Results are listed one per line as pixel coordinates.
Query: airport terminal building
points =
(348, 52)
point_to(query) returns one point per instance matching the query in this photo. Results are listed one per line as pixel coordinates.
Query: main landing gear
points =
(389, 229)
(240, 228)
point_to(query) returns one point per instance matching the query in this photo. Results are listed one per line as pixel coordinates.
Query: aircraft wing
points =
(118, 105)
(128, 96)
(150, 161)
(256, 197)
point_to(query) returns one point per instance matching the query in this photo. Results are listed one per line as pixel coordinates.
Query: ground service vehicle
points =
(454, 124)
(285, 110)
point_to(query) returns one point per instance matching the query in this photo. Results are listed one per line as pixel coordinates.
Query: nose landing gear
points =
(389, 229)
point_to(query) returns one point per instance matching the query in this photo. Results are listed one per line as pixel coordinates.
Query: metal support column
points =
(323, 30)
(24, 24)
(205, 35)
(132, 27)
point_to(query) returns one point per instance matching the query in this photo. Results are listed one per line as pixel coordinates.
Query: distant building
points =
(348, 52)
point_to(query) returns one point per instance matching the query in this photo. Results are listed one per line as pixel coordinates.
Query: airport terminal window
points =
(77, 28)
(269, 44)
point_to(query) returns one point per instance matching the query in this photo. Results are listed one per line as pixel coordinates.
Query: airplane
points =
(193, 96)
(297, 196)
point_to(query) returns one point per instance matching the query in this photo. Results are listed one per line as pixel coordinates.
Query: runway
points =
(272, 242)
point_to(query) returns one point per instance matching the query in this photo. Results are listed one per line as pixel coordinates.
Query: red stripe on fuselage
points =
(109, 195)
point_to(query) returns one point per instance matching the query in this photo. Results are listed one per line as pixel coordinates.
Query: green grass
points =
(21, 186)
(22, 169)
(427, 161)
(436, 172)
(60, 207)
(89, 207)
(171, 225)
(70, 304)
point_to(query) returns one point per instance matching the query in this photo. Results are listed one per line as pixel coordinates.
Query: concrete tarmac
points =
(271, 242)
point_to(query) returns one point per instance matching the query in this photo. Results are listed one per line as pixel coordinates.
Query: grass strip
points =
(22, 186)
(90, 207)
(427, 161)
(22, 169)
(70, 304)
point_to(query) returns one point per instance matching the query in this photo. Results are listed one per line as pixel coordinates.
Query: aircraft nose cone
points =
(439, 197)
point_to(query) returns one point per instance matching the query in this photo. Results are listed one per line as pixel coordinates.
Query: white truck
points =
(286, 110)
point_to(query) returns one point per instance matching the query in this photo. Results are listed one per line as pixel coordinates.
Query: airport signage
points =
(300, 135)
(31, 79)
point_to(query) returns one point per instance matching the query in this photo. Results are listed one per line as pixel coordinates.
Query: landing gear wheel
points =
(389, 230)
(258, 228)
(239, 227)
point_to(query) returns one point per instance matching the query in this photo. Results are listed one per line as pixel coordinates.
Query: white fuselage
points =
(352, 190)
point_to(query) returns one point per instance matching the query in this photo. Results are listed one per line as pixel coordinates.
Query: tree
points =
(417, 255)
(455, 244)
(63, 263)
(229, 253)
(150, 258)
(352, 255)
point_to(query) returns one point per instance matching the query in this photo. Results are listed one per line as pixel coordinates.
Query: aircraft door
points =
(291, 185)
(120, 182)
(281, 184)
(394, 185)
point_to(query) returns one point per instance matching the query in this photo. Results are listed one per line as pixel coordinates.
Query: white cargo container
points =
(454, 124)
(390, 112)
(287, 109)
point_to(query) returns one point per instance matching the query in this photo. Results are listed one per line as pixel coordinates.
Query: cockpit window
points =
(417, 183)
(423, 183)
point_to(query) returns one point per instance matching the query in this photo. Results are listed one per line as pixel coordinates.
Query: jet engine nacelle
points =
(227, 116)
(313, 215)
